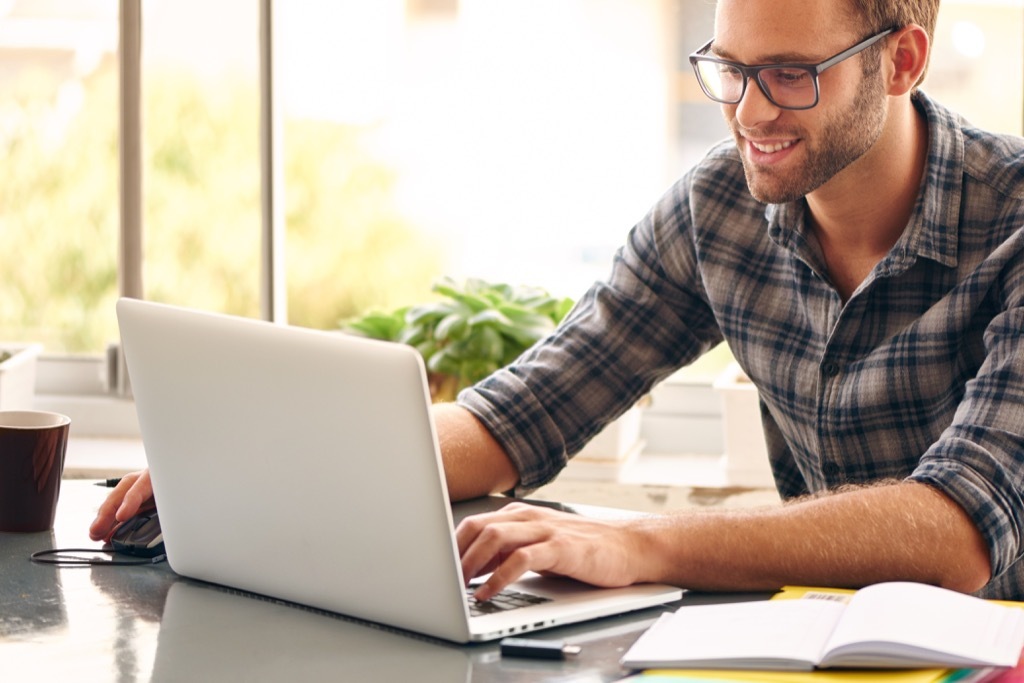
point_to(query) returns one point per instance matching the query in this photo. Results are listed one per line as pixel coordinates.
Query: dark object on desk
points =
(537, 649)
(139, 536)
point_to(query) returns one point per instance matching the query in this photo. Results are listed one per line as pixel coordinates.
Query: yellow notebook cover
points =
(824, 676)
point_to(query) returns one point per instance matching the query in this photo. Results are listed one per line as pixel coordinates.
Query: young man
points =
(859, 248)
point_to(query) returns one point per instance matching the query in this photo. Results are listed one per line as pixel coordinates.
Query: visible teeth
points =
(769, 149)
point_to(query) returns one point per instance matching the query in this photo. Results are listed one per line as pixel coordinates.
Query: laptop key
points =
(503, 601)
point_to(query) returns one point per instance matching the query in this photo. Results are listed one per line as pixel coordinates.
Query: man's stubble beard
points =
(842, 140)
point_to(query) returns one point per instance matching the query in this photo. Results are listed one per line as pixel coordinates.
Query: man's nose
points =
(755, 107)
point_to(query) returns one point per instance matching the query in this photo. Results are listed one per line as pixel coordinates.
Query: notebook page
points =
(769, 635)
(916, 622)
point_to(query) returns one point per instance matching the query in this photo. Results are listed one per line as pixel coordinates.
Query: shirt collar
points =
(933, 229)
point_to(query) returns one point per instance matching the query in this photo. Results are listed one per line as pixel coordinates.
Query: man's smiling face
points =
(788, 154)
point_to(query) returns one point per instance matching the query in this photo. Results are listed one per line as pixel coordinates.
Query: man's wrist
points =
(651, 551)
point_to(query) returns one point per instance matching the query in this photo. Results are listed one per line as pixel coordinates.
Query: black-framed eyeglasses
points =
(787, 86)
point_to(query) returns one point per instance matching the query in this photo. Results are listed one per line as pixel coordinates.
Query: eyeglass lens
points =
(785, 86)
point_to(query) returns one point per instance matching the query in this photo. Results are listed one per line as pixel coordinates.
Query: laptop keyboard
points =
(503, 601)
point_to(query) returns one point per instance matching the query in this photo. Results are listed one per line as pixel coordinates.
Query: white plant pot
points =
(18, 376)
(746, 454)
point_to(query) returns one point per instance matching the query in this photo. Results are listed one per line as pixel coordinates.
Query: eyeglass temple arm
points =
(832, 61)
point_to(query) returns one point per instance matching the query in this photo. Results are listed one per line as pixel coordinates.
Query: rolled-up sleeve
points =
(979, 459)
(624, 335)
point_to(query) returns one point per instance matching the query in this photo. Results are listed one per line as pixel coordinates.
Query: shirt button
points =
(830, 369)
(830, 470)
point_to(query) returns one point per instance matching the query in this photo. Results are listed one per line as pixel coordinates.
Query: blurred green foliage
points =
(347, 247)
(475, 328)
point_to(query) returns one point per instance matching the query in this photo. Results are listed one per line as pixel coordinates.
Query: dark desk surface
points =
(148, 624)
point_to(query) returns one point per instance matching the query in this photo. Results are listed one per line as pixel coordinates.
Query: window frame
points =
(95, 389)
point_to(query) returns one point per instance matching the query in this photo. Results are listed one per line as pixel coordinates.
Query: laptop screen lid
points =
(303, 465)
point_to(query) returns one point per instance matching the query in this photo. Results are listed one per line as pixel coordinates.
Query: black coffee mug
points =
(32, 448)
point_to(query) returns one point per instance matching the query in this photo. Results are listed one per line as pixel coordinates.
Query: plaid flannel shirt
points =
(919, 375)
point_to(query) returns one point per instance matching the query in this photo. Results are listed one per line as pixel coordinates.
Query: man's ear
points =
(907, 52)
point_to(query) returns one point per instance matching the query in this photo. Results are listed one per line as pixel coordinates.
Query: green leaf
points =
(526, 337)
(427, 349)
(469, 296)
(473, 302)
(561, 309)
(532, 298)
(498, 293)
(413, 336)
(377, 325)
(428, 314)
(486, 343)
(520, 315)
(444, 363)
(452, 327)
(524, 320)
(489, 318)
(448, 290)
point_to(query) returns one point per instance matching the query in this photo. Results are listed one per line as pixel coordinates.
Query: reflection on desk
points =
(146, 623)
(206, 632)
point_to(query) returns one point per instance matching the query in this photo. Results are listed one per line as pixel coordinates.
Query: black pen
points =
(109, 483)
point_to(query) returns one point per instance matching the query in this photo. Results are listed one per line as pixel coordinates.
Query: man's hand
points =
(133, 494)
(520, 538)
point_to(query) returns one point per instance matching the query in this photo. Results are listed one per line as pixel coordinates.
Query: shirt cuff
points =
(987, 496)
(516, 419)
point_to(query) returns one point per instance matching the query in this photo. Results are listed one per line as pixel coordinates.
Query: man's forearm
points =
(475, 464)
(901, 531)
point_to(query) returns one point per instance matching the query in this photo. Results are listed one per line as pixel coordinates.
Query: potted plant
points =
(18, 375)
(474, 328)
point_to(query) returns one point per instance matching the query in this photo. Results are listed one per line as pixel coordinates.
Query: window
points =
(201, 161)
(504, 139)
(59, 198)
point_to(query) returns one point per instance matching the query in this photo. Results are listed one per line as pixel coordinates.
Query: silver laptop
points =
(303, 465)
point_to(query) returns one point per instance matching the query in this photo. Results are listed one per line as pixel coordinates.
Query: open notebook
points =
(303, 465)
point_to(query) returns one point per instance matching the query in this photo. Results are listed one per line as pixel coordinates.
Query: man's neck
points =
(859, 215)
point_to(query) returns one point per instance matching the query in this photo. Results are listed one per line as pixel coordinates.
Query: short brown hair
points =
(878, 15)
(882, 14)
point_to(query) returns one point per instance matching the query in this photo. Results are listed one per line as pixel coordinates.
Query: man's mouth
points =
(771, 147)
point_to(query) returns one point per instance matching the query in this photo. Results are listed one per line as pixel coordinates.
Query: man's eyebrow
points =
(777, 58)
